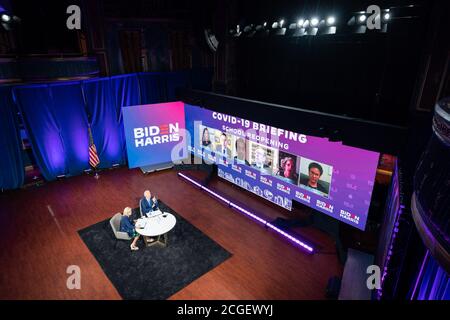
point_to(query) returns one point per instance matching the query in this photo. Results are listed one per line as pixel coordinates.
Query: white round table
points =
(157, 225)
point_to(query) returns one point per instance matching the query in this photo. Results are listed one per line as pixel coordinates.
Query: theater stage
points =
(39, 240)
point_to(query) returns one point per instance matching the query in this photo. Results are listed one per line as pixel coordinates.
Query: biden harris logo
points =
(153, 135)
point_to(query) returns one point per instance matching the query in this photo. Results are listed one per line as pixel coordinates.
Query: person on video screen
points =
(287, 170)
(206, 142)
(222, 147)
(260, 160)
(315, 171)
(240, 152)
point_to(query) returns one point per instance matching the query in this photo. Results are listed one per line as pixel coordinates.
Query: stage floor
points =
(39, 240)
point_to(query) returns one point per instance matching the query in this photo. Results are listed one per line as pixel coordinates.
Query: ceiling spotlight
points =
(362, 18)
(281, 23)
(265, 24)
(5, 18)
(331, 20)
(314, 22)
(301, 22)
(248, 28)
(386, 16)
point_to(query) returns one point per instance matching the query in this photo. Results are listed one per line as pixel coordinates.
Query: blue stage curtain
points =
(36, 106)
(11, 162)
(435, 283)
(102, 110)
(174, 80)
(152, 87)
(56, 123)
(127, 93)
(201, 78)
(69, 111)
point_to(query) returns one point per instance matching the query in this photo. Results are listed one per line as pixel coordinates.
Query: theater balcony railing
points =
(430, 202)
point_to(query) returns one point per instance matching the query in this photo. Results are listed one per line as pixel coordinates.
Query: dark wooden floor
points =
(39, 240)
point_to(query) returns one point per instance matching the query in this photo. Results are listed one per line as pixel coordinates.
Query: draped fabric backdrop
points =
(127, 93)
(57, 116)
(73, 123)
(11, 162)
(43, 131)
(434, 283)
(101, 106)
(56, 125)
(152, 88)
(175, 80)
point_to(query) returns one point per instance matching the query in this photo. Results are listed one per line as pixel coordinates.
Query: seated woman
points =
(286, 170)
(127, 226)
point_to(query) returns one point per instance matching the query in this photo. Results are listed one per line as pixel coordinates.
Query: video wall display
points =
(282, 166)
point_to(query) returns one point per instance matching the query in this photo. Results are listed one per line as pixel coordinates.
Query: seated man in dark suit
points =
(222, 148)
(148, 204)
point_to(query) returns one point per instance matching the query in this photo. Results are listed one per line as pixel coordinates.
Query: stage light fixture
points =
(211, 40)
(327, 26)
(236, 32)
(301, 22)
(278, 28)
(306, 24)
(314, 22)
(5, 17)
(386, 16)
(331, 20)
(362, 18)
(249, 30)
(265, 24)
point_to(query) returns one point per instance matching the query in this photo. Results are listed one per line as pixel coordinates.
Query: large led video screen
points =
(152, 133)
(282, 166)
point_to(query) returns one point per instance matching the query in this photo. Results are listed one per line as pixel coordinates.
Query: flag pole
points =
(96, 176)
(94, 157)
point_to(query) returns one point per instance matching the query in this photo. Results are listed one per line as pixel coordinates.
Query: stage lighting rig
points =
(328, 26)
(360, 21)
(314, 22)
(236, 32)
(331, 20)
(277, 28)
(249, 30)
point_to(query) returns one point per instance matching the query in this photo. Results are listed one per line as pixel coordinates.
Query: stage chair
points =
(115, 225)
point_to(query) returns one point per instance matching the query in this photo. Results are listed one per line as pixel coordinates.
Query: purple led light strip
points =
(248, 213)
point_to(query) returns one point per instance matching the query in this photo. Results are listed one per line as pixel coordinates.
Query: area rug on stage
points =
(154, 272)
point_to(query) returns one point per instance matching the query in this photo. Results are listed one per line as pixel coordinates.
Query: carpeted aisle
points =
(154, 272)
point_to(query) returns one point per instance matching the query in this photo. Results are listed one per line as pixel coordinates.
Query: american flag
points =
(93, 157)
